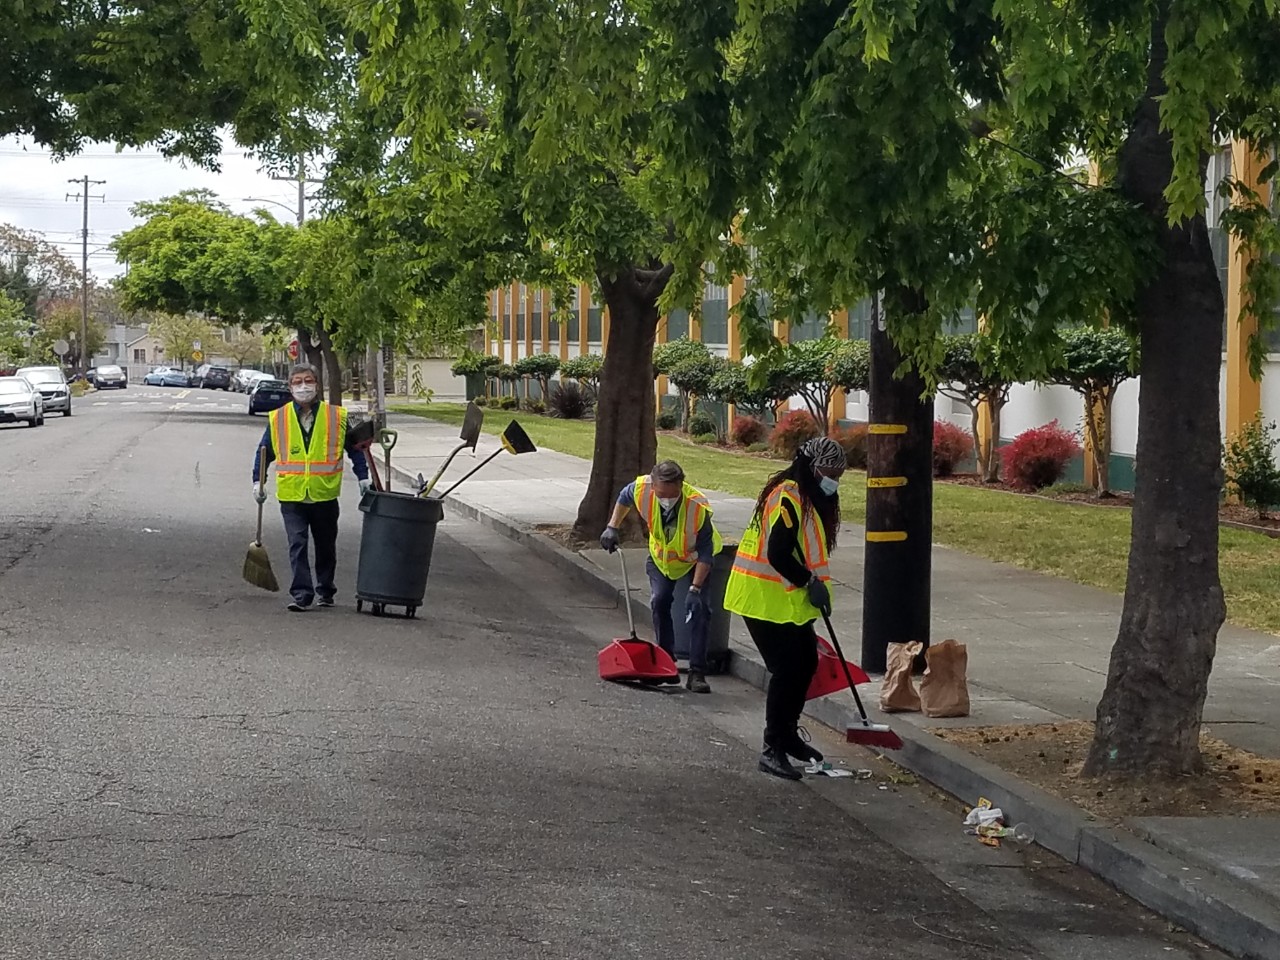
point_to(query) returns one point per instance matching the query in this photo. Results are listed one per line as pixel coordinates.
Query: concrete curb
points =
(1220, 909)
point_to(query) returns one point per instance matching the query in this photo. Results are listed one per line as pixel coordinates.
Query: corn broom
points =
(257, 566)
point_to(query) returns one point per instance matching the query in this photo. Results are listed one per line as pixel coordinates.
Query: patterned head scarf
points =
(825, 453)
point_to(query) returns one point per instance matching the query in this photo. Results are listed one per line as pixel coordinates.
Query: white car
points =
(19, 400)
(245, 380)
(53, 387)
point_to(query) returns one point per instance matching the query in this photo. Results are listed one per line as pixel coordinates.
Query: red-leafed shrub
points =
(1038, 458)
(748, 430)
(951, 445)
(854, 441)
(793, 430)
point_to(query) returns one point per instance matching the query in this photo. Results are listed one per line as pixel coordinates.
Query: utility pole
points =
(302, 180)
(84, 184)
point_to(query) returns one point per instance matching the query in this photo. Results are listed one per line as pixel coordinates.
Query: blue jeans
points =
(662, 593)
(320, 520)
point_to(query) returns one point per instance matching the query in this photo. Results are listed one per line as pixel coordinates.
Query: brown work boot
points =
(697, 683)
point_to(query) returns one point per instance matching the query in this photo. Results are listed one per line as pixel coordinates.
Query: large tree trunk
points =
(991, 472)
(1148, 721)
(626, 444)
(898, 554)
(310, 349)
(332, 367)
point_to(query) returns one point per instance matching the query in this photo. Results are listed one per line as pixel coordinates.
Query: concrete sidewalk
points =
(1038, 646)
(1038, 652)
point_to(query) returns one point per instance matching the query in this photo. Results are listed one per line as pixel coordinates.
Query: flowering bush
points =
(1038, 457)
(793, 430)
(951, 445)
(748, 430)
(854, 441)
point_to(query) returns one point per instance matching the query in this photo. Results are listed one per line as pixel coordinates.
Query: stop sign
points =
(293, 350)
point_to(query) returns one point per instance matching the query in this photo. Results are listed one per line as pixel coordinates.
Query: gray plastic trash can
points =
(718, 629)
(396, 539)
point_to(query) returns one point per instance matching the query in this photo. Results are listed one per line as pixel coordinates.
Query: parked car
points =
(109, 377)
(19, 400)
(245, 378)
(213, 378)
(53, 387)
(268, 395)
(164, 377)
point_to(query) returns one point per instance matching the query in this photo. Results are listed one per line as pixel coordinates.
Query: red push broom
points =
(866, 733)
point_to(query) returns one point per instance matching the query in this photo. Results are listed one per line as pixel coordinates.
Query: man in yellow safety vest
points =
(306, 439)
(682, 541)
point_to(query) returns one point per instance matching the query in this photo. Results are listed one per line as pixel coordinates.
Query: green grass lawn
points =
(1086, 544)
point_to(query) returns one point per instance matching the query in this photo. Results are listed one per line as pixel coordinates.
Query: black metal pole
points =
(898, 554)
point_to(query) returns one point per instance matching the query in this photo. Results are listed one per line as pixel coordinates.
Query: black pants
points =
(790, 653)
(320, 520)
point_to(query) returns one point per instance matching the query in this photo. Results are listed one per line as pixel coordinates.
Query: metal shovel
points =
(472, 421)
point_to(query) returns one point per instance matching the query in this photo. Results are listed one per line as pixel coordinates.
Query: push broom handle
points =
(826, 618)
(626, 592)
(262, 482)
(473, 470)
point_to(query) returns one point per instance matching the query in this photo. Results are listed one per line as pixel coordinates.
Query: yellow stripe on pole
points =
(877, 483)
(885, 428)
(886, 536)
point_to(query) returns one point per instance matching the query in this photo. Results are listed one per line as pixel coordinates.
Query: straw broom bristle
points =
(257, 569)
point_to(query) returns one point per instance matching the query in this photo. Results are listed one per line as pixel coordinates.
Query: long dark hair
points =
(812, 499)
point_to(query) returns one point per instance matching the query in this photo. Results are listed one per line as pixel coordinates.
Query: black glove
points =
(610, 539)
(819, 595)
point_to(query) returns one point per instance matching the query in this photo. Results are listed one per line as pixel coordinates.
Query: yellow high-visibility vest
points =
(759, 591)
(675, 556)
(312, 471)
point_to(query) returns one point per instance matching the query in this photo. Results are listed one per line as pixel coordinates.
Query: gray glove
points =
(610, 539)
(365, 486)
(819, 595)
(695, 605)
(259, 492)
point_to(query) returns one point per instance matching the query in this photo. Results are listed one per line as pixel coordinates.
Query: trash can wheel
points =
(411, 613)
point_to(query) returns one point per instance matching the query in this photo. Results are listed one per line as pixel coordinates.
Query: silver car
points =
(110, 377)
(52, 384)
(19, 400)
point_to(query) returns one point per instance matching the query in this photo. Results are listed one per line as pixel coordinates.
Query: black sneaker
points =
(295, 607)
(697, 683)
(773, 761)
(800, 749)
(325, 602)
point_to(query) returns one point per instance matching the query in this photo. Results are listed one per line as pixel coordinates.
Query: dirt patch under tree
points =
(1235, 782)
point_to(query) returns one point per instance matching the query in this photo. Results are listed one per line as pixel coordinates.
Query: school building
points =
(521, 324)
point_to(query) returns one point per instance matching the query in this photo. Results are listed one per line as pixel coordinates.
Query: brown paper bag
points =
(943, 691)
(898, 692)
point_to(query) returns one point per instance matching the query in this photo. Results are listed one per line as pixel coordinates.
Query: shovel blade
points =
(472, 422)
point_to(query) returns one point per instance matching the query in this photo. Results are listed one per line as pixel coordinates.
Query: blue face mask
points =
(829, 485)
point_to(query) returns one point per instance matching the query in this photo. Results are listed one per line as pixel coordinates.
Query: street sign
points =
(196, 345)
(61, 348)
(293, 350)
(197, 355)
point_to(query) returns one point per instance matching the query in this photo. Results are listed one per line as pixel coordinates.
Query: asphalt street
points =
(189, 771)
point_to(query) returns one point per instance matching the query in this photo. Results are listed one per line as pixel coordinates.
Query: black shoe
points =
(697, 683)
(799, 748)
(295, 607)
(774, 761)
(325, 602)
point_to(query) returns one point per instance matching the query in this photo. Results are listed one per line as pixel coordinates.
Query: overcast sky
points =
(33, 192)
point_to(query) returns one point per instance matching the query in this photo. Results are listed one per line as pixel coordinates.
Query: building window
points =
(715, 314)
(595, 326)
(575, 315)
(677, 324)
(139, 355)
(506, 314)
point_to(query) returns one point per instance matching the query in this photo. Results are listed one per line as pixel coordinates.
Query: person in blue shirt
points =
(682, 542)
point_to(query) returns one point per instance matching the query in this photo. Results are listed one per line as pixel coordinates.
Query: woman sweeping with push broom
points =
(779, 587)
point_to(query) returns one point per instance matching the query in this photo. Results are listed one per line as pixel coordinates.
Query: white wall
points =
(1031, 405)
(437, 376)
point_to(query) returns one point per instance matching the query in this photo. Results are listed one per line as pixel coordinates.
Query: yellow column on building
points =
(604, 329)
(660, 382)
(1098, 414)
(839, 400)
(1244, 394)
(584, 306)
(488, 323)
(737, 290)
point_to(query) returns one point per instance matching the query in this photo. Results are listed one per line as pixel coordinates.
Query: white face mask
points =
(303, 392)
(829, 485)
(668, 502)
